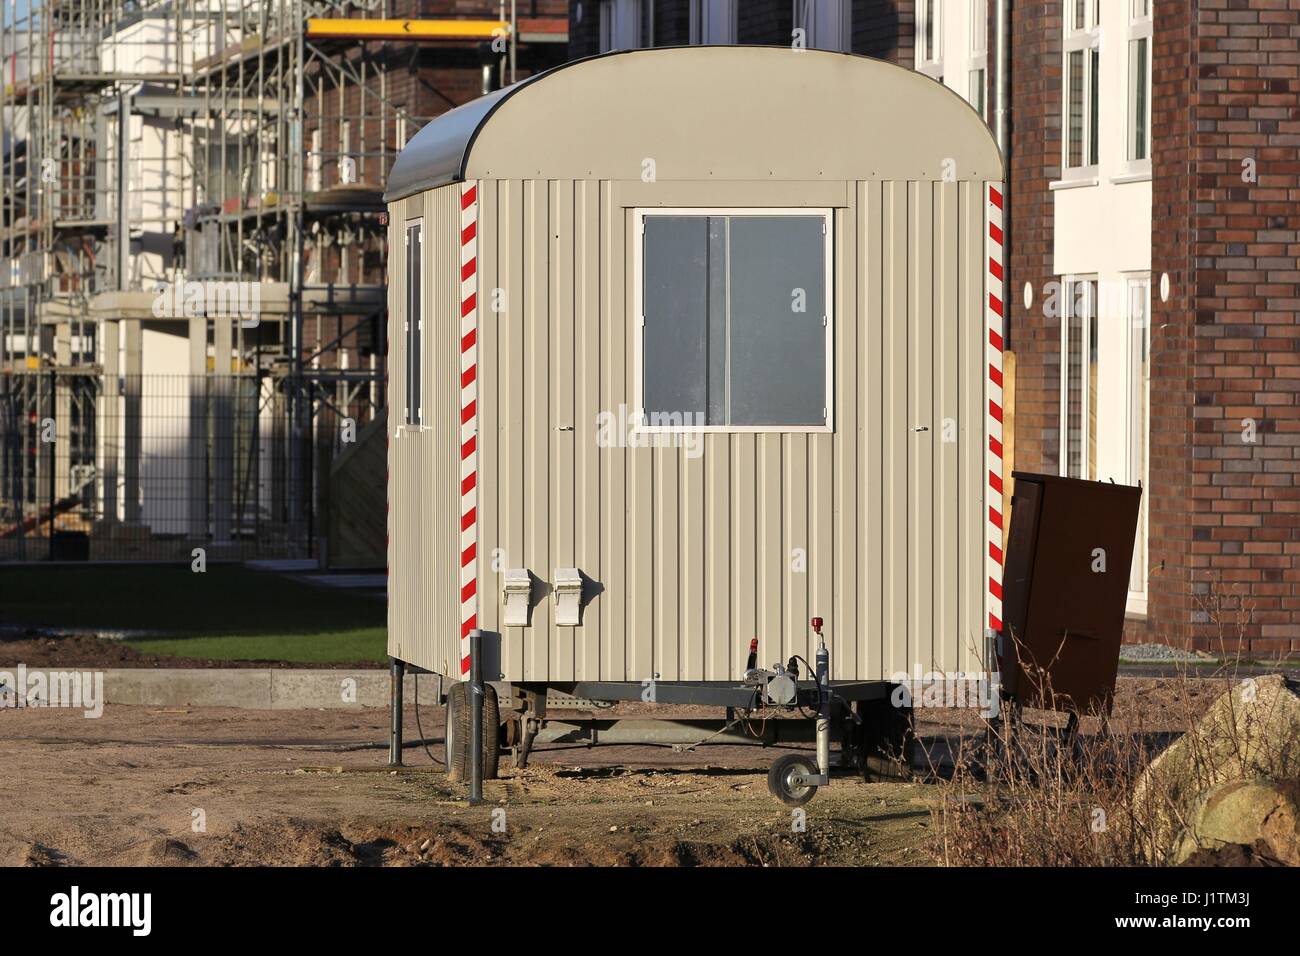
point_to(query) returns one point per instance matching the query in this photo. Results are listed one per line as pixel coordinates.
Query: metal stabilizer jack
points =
(794, 778)
(823, 712)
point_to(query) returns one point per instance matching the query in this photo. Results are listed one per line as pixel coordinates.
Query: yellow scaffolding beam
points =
(355, 29)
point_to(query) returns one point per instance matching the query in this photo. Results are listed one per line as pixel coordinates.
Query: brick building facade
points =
(1227, 439)
(1223, 505)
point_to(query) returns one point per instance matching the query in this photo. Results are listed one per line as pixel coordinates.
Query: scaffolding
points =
(192, 219)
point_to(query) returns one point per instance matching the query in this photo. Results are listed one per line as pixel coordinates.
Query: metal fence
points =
(150, 467)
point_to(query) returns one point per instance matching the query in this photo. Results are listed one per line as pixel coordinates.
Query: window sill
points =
(1138, 177)
(733, 430)
(1072, 183)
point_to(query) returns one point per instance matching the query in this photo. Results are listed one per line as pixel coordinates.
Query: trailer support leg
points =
(824, 713)
(531, 723)
(475, 717)
(397, 674)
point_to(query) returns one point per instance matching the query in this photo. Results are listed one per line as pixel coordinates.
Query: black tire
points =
(778, 779)
(458, 732)
(886, 742)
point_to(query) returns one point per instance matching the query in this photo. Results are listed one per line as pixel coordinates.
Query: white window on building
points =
(714, 21)
(929, 38)
(734, 319)
(1081, 93)
(977, 72)
(1079, 377)
(626, 24)
(1138, 125)
(414, 327)
(1138, 426)
(827, 24)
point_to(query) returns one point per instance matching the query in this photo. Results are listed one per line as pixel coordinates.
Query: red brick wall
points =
(584, 28)
(766, 22)
(672, 22)
(1035, 130)
(1241, 333)
(1224, 513)
(1169, 503)
(885, 29)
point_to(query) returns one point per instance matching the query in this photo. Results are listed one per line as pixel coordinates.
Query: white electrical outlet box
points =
(516, 596)
(568, 596)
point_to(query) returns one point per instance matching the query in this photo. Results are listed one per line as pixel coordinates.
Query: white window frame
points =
(931, 12)
(1139, 28)
(414, 360)
(1138, 281)
(1083, 39)
(639, 215)
(978, 74)
(1069, 297)
(714, 22)
(827, 24)
(626, 24)
(978, 64)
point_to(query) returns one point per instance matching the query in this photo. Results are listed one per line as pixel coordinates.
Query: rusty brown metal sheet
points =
(1069, 553)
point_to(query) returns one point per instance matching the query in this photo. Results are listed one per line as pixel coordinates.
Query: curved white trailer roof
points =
(824, 115)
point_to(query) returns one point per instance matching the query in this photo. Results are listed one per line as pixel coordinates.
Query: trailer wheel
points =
(458, 732)
(780, 779)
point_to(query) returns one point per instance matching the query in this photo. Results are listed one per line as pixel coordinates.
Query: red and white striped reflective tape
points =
(993, 454)
(468, 418)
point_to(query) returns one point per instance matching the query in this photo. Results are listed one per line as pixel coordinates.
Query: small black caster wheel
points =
(780, 779)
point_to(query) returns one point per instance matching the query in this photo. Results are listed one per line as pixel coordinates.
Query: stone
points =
(1246, 813)
(1251, 732)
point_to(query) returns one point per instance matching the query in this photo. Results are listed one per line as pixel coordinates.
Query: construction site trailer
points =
(687, 346)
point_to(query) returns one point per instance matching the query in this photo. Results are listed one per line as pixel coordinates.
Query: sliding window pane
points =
(1074, 372)
(777, 334)
(685, 320)
(1074, 92)
(1139, 373)
(414, 323)
(1094, 104)
(1138, 106)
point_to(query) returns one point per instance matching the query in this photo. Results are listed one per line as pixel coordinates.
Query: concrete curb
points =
(267, 688)
(270, 688)
(252, 688)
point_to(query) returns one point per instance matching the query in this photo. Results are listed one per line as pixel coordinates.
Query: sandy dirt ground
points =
(207, 786)
(312, 788)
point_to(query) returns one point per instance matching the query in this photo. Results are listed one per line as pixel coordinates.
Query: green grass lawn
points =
(225, 613)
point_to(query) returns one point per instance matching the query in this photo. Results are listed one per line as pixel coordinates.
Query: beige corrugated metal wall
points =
(424, 463)
(696, 555)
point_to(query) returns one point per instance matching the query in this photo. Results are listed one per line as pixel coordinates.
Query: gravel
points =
(1147, 653)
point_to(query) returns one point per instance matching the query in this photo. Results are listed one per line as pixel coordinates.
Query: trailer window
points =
(414, 322)
(735, 320)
